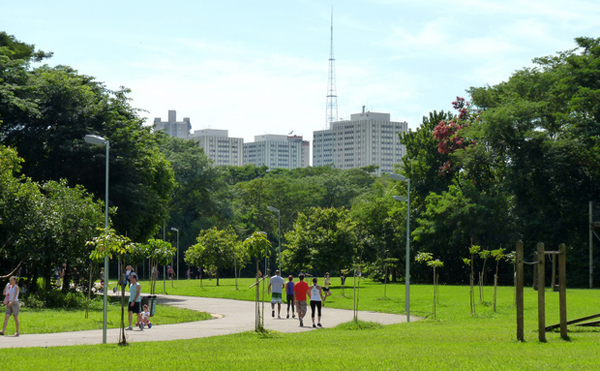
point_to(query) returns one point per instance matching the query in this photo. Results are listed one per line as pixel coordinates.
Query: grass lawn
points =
(41, 321)
(456, 340)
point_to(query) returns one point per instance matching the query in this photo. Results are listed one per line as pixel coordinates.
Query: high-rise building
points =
(178, 129)
(368, 138)
(277, 151)
(218, 146)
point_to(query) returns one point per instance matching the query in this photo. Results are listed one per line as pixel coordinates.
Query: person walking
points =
(316, 297)
(276, 287)
(135, 299)
(300, 290)
(289, 292)
(326, 284)
(11, 291)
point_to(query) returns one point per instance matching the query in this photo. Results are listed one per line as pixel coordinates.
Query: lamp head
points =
(95, 140)
(400, 198)
(398, 177)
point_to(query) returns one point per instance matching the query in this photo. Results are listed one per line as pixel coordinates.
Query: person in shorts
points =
(300, 290)
(135, 300)
(11, 292)
(276, 289)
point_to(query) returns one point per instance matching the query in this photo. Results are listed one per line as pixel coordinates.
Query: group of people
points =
(296, 295)
(11, 300)
(135, 301)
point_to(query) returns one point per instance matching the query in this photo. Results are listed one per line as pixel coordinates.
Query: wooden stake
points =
(562, 289)
(541, 292)
(519, 289)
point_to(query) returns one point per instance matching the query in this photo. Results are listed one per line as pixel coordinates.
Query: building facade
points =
(219, 147)
(177, 129)
(277, 151)
(368, 138)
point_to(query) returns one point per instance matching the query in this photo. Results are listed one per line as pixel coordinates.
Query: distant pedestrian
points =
(316, 297)
(170, 272)
(12, 307)
(276, 289)
(61, 278)
(289, 291)
(135, 299)
(300, 290)
(326, 283)
(128, 271)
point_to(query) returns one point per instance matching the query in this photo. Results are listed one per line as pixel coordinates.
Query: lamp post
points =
(177, 230)
(276, 210)
(100, 141)
(407, 200)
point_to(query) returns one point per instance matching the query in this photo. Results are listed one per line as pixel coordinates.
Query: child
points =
(146, 317)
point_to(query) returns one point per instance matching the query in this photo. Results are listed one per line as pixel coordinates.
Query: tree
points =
(540, 132)
(46, 112)
(258, 246)
(105, 246)
(159, 252)
(325, 240)
(198, 200)
(216, 247)
(43, 225)
(423, 161)
(427, 258)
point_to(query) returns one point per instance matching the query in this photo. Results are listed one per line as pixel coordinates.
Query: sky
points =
(261, 67)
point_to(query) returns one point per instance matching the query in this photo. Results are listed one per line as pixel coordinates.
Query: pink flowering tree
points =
(449, 134)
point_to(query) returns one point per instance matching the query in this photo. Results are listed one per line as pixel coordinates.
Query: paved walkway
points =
(229, 317)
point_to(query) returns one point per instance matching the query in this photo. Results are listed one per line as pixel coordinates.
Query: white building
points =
(178, 129)
(218, 146)
(277, 151)
(368, 138)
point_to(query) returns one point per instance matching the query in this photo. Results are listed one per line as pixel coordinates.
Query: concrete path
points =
(229, 317)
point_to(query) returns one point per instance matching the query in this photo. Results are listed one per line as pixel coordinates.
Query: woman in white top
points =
(316, 296)
(12, 307)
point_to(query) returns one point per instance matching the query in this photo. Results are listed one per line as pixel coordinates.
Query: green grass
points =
(42, 321)
(457, 340)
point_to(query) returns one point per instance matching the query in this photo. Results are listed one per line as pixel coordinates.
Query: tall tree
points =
(540, 129)
(324, 240)
(47, 111)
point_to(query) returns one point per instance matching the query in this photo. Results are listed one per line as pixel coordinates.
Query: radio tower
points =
(332, 109)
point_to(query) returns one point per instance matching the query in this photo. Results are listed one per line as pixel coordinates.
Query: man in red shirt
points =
(300, 290)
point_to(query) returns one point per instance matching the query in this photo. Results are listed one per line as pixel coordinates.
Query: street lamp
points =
(177, 230)
(407, 200)
(100, 141)
(276, 210)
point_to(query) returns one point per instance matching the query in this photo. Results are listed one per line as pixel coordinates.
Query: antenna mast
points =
(332, 109)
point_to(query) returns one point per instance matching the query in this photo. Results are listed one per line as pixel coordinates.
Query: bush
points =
(57, 299)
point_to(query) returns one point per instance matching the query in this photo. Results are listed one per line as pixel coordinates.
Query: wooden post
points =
(535, 271)
(541, 292)
(495, 290)
(562, 289)
(553, 272)
(519, 289)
